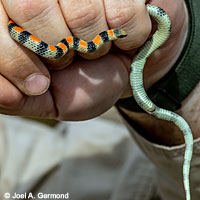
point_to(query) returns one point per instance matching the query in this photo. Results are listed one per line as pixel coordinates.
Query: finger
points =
(82, 89)
(9, 94)
(86, 19)
(24, 70)
(131, 16)
(44, 20)
(13, 102)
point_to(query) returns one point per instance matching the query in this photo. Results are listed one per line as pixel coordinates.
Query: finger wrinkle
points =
(122, 14)
(84, 17)
(28, 10)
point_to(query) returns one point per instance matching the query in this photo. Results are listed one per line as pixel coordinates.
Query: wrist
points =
(190, 110)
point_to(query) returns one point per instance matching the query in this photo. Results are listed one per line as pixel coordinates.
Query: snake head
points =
(120, 33)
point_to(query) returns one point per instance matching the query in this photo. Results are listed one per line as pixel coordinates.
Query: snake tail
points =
(53, 52)
(136, 81)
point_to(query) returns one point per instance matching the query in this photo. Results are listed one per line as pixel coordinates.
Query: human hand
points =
(85, 89)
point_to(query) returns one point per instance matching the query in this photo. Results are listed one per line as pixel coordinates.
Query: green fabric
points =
(173, 88)
(48, 122)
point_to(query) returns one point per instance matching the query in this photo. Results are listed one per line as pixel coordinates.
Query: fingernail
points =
(37, 84)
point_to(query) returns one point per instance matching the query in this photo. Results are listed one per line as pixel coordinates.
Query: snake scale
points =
(136, 75)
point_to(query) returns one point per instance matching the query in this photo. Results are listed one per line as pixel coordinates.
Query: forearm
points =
(150, 127)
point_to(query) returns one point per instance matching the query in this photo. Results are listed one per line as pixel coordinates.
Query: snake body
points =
(53, 52)
(136, 80)
(136, 75)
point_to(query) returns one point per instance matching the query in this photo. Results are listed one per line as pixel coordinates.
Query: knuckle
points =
(11, 98)
(136, 38)
(99, 53)
(84, 15)
(119, 16)
(15, 100)
(134, 19)
(28, 10)
(13, 64)
(60, 63)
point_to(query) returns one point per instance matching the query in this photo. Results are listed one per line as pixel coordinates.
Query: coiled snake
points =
(136, 75)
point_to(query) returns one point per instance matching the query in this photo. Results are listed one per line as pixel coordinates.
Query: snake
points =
(161, 35)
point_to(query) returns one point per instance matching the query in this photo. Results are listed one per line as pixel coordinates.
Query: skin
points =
(77, 89)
